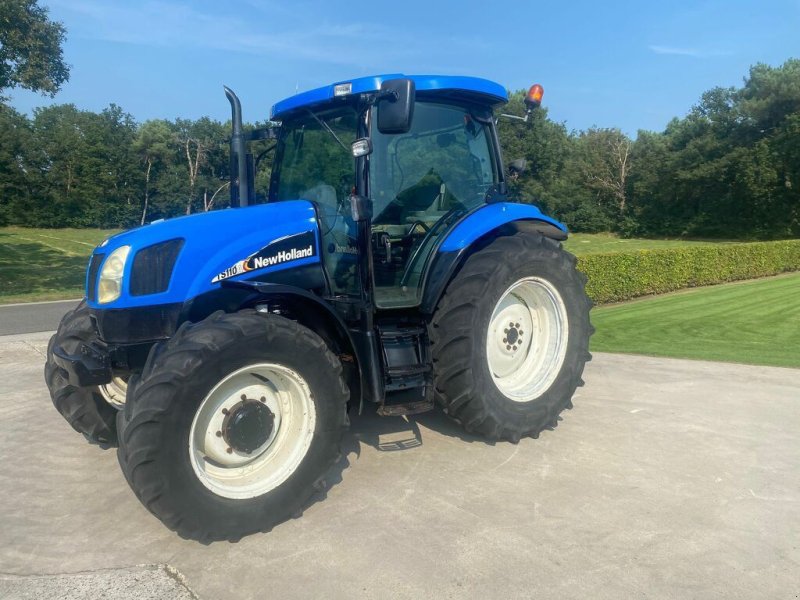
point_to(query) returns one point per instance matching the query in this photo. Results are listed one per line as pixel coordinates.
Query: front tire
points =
(233, 424)
(86, 409)
(510, 337)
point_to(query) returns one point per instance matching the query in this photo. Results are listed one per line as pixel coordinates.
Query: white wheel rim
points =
(527, 339)
(115, 392)
(234, 474)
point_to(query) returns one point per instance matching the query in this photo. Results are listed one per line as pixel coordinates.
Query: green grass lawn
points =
(756, 322)
(601, 243)
(45, 264)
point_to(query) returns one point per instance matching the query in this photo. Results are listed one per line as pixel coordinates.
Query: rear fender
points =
(493, 216)
(454, 251)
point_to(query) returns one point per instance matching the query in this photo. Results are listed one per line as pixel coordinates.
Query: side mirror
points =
(396, 106)
(518, 167)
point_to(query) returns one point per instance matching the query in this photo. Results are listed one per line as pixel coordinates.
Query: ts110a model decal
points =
(277, 252)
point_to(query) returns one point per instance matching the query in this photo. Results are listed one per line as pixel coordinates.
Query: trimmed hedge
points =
(617, 277)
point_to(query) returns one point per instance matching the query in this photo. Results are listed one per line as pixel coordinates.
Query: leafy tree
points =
(30, 48)
(153, 145)
(545, 146)
(15, 174)
(730, 168)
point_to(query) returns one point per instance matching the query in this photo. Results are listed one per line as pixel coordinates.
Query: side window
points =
(441, 164)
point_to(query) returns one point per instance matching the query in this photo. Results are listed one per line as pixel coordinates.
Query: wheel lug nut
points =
(219, 434)
(243, 396)
(229, 450)
(517, 325)
(263, 399)
(508, 347)
(515, 348)
(224, 411)
(505, 340)
(505, 330)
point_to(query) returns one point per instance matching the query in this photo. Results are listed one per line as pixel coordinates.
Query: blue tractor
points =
(222, 352)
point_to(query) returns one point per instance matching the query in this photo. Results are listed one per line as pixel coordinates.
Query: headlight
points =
(110, 286)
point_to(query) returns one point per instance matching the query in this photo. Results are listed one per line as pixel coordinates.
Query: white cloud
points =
(175, 23)
(693, 52)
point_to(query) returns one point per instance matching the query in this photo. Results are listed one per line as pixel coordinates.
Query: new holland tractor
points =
(223, 352)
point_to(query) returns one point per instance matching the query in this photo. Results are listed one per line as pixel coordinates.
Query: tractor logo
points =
(283, 250)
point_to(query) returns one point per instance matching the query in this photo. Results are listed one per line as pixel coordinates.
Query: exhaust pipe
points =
(241, 188)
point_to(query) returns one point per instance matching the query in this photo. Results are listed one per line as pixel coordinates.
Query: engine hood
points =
(236, 243)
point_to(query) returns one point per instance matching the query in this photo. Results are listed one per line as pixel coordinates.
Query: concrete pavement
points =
(670, 478)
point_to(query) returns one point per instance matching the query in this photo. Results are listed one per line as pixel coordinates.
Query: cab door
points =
(421, 183)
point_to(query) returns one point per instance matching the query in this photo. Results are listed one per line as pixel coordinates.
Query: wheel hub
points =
(527, 338)
(252, 430)
(247, 425)
(512, 336)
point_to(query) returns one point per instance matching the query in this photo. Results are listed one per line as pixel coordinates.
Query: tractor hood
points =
(178, 259)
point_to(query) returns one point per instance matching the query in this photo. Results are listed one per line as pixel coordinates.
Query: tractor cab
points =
(417, 153)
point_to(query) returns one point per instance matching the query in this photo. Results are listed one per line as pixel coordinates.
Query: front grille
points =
(91, 279)
(152, 267)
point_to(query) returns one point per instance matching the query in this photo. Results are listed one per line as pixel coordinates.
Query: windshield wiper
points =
(329, 130)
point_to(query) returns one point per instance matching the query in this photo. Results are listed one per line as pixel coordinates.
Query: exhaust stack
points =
(242, 192)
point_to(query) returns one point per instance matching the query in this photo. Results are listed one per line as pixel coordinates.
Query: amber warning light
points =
(534, 96)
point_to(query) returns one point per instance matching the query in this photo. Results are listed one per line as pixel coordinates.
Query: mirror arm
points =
(391, 96)
(518, 118)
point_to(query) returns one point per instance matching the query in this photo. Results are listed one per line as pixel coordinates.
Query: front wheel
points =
(510, 337)
(91, 411)
(233, 424)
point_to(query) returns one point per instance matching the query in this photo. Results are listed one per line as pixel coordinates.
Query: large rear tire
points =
(233, 425)
(86, 409)
(510, 337)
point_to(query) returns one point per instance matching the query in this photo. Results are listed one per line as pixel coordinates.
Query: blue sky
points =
(632, 65)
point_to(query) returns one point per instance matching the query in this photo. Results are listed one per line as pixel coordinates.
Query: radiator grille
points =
(152, 267)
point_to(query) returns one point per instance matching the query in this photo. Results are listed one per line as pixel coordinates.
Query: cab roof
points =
(474, 88)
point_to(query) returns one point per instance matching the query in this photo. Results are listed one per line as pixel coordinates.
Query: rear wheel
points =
(233, 424)
(510, 337)
(87, 409)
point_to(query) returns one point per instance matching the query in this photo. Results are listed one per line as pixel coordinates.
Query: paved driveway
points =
(33, 316)
(669, 479)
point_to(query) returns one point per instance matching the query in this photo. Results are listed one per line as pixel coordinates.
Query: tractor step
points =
(406, 359)
(409, 408)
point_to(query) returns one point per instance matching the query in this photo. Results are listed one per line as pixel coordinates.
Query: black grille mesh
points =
(152, 267)
(91, 280)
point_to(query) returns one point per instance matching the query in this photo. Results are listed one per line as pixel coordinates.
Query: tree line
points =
(729, 169)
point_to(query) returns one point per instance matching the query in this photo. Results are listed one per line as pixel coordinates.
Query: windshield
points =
(314, 161)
